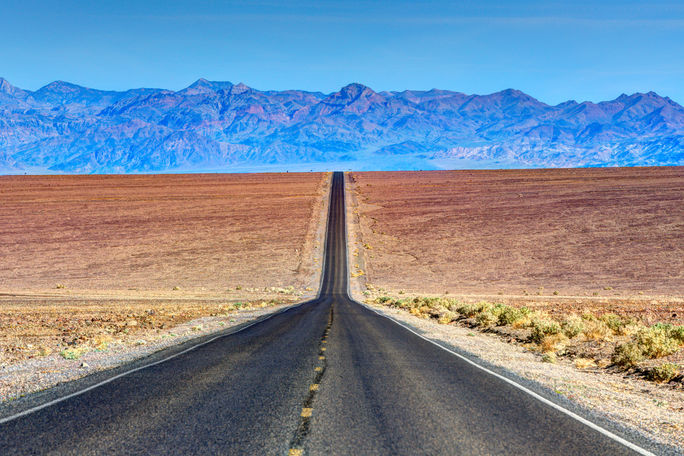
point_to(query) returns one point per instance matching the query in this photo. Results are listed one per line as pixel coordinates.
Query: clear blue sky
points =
(583, 50)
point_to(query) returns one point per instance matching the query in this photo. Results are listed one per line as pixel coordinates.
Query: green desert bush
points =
(512, 315)
(469, 310)
(572, 326)
(543, 326)
(73, 353)
(656, 341)
(663, 373)
(677, 333)
(628, 354)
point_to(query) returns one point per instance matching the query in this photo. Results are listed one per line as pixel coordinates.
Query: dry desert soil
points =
(446, 251)
(90, 262)
(612, 236)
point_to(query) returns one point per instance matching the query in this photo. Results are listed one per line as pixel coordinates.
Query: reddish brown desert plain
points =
(87, 257)
(613, 237)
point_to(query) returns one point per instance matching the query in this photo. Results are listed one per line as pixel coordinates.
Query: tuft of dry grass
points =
(584, 363)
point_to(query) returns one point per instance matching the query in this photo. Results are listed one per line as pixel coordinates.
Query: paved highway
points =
(326, 377)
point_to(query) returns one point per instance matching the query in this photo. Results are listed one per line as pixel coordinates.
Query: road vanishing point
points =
(325, 377)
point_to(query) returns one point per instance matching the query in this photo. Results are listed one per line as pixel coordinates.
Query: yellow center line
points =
(318, 369)
(295, 452)
(323, 349)
(321, 357)
(306, 412)
(314, 387)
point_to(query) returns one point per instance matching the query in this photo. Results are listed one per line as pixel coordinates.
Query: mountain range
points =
(220, 126)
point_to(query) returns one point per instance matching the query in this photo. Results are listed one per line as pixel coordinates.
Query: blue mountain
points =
(220, 126)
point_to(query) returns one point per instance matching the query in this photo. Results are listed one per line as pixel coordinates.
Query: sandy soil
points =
(137, 235)
(655, 410)
(560, 241)
(610, 232)
(156, 327)
(95, 262)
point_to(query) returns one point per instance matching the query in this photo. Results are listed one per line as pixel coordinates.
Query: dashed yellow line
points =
(314, 387)
(318, 369)
(322, 349)
(295, 452)
(306, 412)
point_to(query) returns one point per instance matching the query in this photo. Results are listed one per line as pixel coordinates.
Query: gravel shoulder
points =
(36, 374)
(52, 336)
(645, 409)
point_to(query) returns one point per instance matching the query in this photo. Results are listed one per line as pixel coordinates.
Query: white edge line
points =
(128, 372)
(7, 419)
(540, 398)
(573, 415)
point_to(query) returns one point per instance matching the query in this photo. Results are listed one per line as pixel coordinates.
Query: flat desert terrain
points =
(199, 232)
(87, 261)
(531, 235)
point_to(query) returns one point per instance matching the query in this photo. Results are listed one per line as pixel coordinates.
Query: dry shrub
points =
(101, 342)
(628, 354)
(549, 358)
(616, 323)
(514, 316)
(446, 318)
(542, 326)
(572, 326)
(677, 333)
(656, 342)
(553, 342)
(470, 310)
(663, 373)
(596, 330)
(584, 363)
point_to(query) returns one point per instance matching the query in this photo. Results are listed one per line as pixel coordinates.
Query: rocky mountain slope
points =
(210, 125)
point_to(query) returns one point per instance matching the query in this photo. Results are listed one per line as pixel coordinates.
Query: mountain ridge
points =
(218, 125)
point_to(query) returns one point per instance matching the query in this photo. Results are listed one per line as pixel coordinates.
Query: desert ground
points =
(614, 236)
(573, 278)
(198, 233)
(95, 261)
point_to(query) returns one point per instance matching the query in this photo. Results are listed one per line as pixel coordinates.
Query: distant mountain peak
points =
(6, 87)
(203, 85)
(240, 88)
(355, 89)
(61, 86)
(217, 125)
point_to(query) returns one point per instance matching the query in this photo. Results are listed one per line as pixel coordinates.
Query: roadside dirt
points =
(613, 232)
(562, 242)
(146, 235)
(105, 264)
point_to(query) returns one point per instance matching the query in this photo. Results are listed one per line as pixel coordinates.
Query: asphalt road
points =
(327, 377)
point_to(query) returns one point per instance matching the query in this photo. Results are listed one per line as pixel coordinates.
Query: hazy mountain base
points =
(371, 163)
(218, 126)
